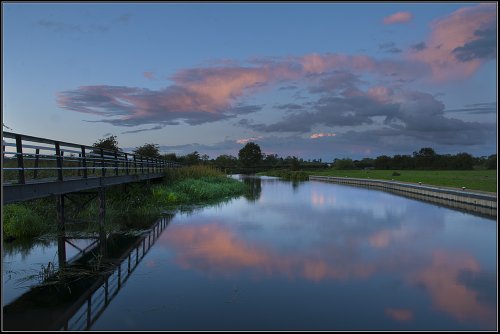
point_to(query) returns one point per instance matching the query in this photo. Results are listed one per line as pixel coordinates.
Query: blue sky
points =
(315, 80)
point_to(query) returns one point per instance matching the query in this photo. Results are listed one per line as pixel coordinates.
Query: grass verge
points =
(482, 180)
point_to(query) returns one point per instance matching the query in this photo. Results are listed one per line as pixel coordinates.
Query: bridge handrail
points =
(89, 159)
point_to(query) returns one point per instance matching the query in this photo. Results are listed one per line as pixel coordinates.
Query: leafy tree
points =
(383, 162)
(463, 161)
(364, 163)
(204, 158)
(148, 150)
(425, 158)
(226, 161)
(271, 159)
(492, 162)
(170, 157)
(109, 143)
(250, 155)
(192, 158)
(343, 164)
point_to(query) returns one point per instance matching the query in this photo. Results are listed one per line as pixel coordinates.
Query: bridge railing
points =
(28, 159)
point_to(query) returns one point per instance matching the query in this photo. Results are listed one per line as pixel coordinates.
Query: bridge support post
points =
(102, 206)
(60, 212)
(61, 239)
(61, 249)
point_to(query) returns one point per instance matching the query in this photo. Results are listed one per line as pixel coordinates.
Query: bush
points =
(396, 174)
(19, 221)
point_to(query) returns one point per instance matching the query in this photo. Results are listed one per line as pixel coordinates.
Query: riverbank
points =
(481, 180)
(130, 206)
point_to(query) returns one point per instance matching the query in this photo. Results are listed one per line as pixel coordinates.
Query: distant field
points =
(484, 180)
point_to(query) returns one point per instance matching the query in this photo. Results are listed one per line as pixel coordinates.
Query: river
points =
(287, 256)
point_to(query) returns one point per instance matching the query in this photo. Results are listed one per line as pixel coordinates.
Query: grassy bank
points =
(128, 206)
(483, 180)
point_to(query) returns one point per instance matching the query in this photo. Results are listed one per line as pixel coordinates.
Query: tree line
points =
(424, 159)
(251, 157)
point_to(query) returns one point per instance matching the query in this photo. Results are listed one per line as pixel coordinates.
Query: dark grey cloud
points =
(484, 47)
(389, 47)
(158, 127)
(415, 117)
(290, 87)
(419, 46)
(289, 106)
(330, 111)
(241, 109)
(477, 108)
(336, 81)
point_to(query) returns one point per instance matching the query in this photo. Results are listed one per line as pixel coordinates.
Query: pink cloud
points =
(220, 250)
(246, 140)
(320, 135)
(399, 17)
(451, 33)
(449, 293)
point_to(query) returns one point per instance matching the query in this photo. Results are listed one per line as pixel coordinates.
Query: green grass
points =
(197, 191)
(483, 180)
(127, 207)
(20, 222)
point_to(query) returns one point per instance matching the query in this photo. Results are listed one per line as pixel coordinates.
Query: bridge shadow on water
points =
(73, 296)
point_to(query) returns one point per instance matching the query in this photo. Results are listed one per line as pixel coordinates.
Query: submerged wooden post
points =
(61, 242)
(61, 249)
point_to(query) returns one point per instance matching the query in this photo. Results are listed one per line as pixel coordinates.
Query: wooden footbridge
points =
(34, 167)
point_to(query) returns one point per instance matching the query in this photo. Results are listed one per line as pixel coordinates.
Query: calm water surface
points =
(305, 256)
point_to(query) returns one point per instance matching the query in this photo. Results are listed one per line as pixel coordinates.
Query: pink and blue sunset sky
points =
(314, 80)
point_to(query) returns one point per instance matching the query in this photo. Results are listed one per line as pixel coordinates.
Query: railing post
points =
(142, 166)
(116, 163)
(103, 169)
(20, 160)
(59, 162)
(84, 162)
(135, 165)
(79, 164)
(126, 164)
(35, 172)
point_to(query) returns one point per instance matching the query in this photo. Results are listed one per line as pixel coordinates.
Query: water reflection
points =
(314, 257)
(76, 291)
(254, 188)
(325, 233)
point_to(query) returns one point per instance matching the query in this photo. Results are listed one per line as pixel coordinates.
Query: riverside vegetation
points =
(130, 206)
